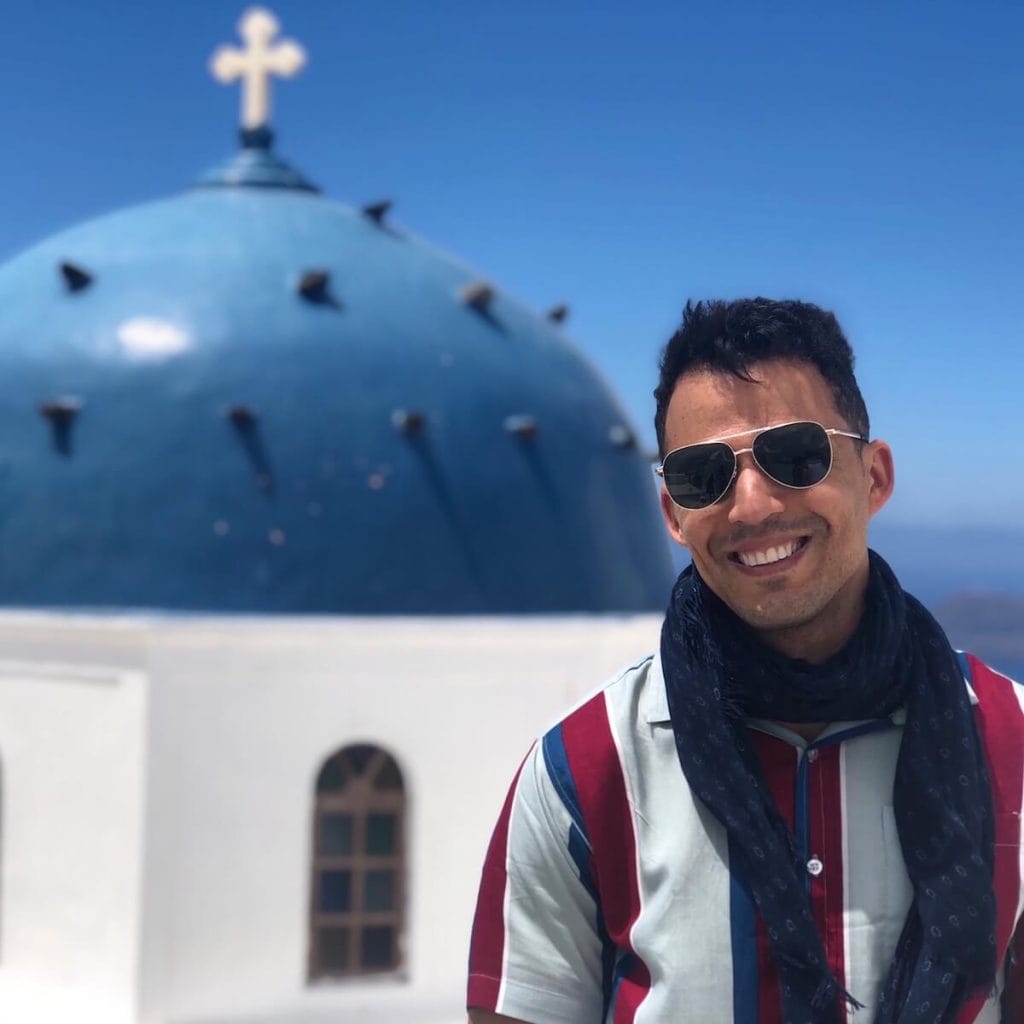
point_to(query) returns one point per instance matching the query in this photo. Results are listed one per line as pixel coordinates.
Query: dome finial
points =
(254, 65)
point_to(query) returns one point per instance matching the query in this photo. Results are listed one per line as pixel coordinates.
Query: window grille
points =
(358, 882)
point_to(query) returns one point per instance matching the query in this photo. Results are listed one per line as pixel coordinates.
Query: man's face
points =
(808, 602)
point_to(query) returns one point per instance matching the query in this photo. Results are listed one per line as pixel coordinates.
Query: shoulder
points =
(632, 695)
(999, 712)
(586, 754)
(989, 686)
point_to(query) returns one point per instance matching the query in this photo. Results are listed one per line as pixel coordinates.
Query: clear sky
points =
(619, 157)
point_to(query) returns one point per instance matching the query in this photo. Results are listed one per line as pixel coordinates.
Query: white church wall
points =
(244, 715)
(71, 789)
(238, 718)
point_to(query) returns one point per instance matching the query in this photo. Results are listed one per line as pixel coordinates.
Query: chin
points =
(772, 617)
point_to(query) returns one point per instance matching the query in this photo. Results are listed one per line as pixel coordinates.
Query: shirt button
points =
(812, 756)
(815, 867)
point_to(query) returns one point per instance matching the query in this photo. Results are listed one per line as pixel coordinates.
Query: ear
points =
(881, 474)
(672, 514)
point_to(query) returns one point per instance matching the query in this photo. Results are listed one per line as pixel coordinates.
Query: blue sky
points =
(621, 158)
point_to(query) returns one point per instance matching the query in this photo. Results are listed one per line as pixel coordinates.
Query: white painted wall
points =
(71, 743)
(237, 716)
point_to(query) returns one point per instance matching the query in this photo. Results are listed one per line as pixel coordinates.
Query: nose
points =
(755, 497)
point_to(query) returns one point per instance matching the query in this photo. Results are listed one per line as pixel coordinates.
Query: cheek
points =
(694, 534)
(678, 521)
(844, 508)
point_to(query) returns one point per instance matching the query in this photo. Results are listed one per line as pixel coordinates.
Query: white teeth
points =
(769, 555)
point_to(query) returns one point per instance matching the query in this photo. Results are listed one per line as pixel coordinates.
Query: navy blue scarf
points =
(717, 674)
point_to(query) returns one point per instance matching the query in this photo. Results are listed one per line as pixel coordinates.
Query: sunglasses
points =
(797, 455)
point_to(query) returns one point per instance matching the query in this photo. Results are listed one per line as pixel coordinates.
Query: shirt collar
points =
(656, 710)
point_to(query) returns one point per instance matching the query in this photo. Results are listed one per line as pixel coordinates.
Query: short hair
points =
(733, 336)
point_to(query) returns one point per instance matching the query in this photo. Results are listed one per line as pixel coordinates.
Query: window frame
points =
(360, 798)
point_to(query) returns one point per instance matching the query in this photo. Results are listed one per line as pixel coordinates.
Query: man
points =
(806, 807)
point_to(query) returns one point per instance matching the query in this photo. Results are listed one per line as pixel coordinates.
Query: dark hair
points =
(733, 336)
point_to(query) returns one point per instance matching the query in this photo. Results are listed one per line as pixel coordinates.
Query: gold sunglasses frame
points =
(829, 432)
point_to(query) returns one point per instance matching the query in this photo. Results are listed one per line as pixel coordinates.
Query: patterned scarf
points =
(717, 674)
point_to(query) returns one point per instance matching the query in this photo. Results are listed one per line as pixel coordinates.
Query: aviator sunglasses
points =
(797, 455)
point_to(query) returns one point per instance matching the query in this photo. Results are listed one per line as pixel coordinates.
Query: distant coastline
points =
(990, 625)
(935, 563)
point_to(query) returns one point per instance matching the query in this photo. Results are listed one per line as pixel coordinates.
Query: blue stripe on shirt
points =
(743, 935)
(560, 774)
(801, 805)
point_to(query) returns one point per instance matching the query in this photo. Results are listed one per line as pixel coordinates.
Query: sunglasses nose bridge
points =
(755, 492)
(744, 459)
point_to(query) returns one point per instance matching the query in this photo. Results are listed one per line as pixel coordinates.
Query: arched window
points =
(358, 865)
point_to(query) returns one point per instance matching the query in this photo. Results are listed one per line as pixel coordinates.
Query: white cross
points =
(256, 63)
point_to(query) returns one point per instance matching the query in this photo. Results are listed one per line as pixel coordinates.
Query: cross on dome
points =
(256, 63)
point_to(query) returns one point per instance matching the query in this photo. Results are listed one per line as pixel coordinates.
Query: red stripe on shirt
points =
(825, 830)
(608, 816)
(1001, 726)
(633, 988)
(779, 763)
(487, 945)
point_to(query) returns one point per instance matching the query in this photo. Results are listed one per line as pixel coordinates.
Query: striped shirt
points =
(606, 894)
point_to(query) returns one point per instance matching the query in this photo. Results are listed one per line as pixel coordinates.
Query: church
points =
(308, 530)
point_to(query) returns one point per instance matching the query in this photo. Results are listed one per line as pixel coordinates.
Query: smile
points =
(769, 555)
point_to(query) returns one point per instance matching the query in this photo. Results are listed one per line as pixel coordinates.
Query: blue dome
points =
(250, 398)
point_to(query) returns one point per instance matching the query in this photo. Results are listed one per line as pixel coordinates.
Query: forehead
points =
(713, 403)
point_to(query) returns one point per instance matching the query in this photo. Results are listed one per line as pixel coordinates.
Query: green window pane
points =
(379, 890)
(381, 834)
(376, 947)
(335, 892)
(334, 775)
(335, 835)
(333, 949)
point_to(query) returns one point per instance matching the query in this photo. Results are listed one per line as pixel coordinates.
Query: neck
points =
(810, 731)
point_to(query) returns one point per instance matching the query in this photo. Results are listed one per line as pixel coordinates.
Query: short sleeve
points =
(536, 950)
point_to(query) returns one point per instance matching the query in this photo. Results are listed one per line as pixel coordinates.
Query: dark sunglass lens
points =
(699, 475)
(797, 455)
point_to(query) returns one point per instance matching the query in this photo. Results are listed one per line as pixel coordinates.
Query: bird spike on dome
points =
(254, 65)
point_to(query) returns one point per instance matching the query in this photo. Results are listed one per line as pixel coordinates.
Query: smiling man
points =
(806, 807)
